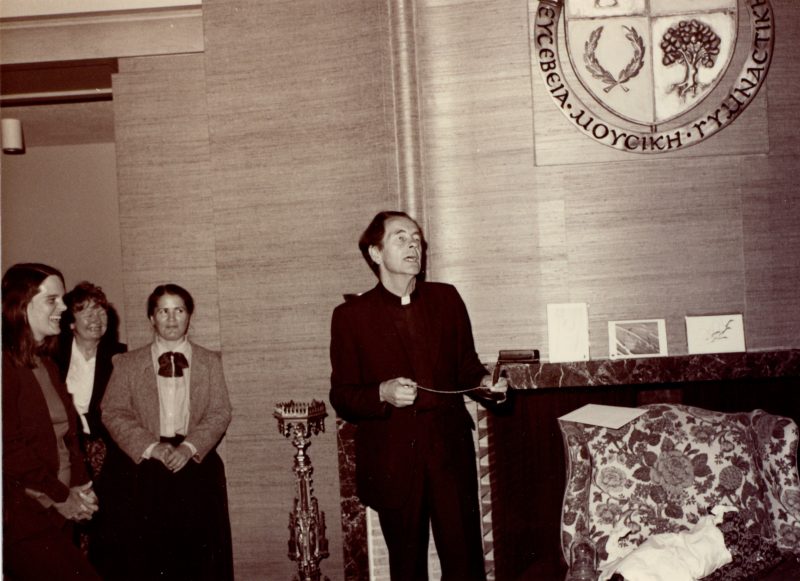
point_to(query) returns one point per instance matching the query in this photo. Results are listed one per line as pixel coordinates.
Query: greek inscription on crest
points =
(669, 59)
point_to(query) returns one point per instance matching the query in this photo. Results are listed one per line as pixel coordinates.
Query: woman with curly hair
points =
(87, 343)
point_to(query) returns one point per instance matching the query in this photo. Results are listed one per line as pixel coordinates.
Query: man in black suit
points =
(401, 355)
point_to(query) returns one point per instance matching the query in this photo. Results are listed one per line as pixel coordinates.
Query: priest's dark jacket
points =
(374, 338)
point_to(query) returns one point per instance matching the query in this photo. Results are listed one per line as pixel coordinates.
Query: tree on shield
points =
(692, 44)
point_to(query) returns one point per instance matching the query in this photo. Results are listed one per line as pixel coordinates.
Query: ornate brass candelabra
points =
(307, 542)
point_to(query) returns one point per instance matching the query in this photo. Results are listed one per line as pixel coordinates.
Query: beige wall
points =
(247, 173)
(633, 236)
(60, 207)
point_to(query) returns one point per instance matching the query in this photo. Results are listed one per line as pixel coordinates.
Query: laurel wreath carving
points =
(599, 72)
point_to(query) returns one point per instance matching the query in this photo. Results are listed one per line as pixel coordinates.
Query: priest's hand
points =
(496, 392)
(399, 392)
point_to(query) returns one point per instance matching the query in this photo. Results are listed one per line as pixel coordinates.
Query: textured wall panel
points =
(783, 83)
(478, 160)
(166, 213)
(663, 236)
(249, 172)
(655, 251)
(302, 157)
(771, 210)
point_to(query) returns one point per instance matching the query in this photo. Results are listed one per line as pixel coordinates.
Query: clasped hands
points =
(80, 505)
(402, 392)
(174, 458)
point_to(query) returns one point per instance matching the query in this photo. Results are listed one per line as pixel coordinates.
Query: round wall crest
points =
(650, 76)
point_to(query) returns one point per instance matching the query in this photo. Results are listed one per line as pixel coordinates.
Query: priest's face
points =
(401, 249)
(170, 318)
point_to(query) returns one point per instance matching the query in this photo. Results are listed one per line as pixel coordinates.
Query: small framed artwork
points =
(715, 334)
(568, 332)
(639, 338)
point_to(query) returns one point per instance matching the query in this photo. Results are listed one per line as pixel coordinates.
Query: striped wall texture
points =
(247, 172)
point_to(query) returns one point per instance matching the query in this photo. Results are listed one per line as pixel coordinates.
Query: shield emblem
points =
(650, 61)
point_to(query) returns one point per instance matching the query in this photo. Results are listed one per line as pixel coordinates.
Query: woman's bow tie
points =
(172, 364)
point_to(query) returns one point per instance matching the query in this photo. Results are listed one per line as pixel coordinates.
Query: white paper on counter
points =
(608, 416)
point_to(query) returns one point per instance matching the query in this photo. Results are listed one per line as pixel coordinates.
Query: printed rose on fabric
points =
(612, 479)
(673, 470)
(731, 478)
(790, 535)
(702, 433)
(791, 499)
(608, 512)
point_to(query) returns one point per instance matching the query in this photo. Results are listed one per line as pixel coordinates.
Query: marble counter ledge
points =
(654, 370)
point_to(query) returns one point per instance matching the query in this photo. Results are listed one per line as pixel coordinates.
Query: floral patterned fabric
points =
(664, 470)
(752, 554)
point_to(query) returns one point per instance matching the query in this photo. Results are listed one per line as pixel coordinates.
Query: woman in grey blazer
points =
(167, 408)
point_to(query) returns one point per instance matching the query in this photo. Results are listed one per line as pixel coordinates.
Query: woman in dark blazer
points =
(87, 343)
(45, 483)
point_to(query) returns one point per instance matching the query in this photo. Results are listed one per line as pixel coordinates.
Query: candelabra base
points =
(307, 542)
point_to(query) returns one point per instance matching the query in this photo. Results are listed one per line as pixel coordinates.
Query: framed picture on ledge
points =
(715, 334)
(637, 338)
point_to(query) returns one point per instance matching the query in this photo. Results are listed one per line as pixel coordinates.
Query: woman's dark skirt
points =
(164, 525)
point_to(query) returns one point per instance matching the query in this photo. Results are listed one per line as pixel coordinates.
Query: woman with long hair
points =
(45, 483)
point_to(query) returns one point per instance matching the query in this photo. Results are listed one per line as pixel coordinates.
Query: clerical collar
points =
(392, 298)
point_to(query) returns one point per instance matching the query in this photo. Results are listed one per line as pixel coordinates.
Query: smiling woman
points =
(44, 310)
(87, 343)
(45, 484)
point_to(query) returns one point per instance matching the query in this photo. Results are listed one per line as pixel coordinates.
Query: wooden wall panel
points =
(478, 160)
(248, 173)
(302, 156)
(771, 214)
(635, 236)
(654, 251)
(783, 82)
(165, 203)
